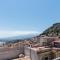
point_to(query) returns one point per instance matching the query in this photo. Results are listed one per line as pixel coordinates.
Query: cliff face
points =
(54, 30)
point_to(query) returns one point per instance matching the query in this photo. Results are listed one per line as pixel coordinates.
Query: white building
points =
(39, 53)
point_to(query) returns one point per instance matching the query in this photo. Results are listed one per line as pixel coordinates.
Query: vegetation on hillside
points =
(53, 30)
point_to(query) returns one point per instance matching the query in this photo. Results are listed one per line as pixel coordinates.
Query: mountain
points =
(21, 37)
(54, 30)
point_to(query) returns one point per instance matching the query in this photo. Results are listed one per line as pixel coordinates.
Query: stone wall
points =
(8, 53)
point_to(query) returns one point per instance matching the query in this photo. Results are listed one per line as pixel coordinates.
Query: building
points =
(42, 53)
(48, 49)
(45, 40)
(39, 53)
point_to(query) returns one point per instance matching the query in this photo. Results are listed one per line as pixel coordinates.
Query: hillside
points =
(54, 30)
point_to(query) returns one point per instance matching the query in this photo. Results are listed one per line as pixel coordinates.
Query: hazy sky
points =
(28, 15)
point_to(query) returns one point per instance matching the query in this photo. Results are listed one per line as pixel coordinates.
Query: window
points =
(46, 58)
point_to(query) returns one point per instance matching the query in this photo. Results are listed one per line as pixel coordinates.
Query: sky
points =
(27, 16)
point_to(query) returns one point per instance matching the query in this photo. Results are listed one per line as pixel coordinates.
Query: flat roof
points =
(58, 41)
(43, 49)
(40, 49)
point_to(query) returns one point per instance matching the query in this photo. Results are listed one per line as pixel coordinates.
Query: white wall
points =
(31, 53)
(27, 51)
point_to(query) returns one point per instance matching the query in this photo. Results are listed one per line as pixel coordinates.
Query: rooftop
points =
(58, 41)
(40, 49)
